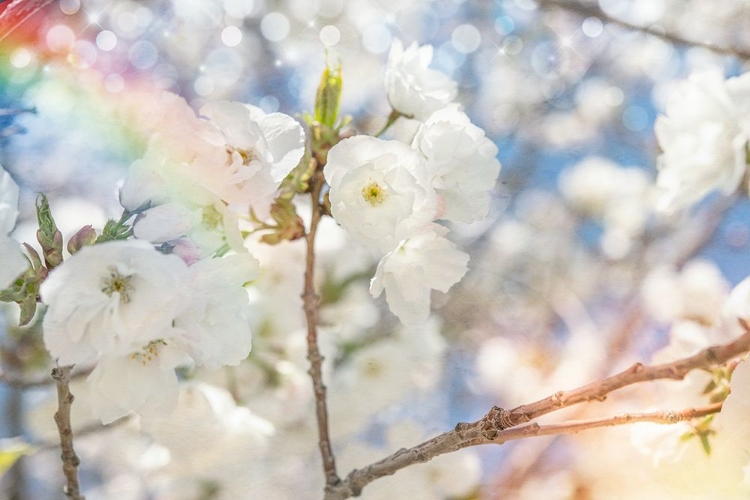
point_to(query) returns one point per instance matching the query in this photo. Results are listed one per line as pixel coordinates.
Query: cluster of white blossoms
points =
(704, 138)
(140, 308)
(138, 314)
(388, 194)
(13, 261)
(197, 175)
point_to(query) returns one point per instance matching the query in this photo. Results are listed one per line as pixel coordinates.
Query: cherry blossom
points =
(413, 89)
(380, 190)
(416, 267)
(461, 161)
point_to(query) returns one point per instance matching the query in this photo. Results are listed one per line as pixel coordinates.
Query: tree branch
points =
(500, 425)
(311, 300)
(70, 460)
(574, 426)
(592, 10)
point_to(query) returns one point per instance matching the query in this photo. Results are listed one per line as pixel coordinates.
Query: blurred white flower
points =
(695, 293)
(413, 89)
(380, 191)
(461, 161)
(703, 138)
(12, 260)
(209, 436)
(416, 267)
(736, 307)
(263, 149)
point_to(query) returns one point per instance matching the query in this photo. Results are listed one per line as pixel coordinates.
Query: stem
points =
(311, 300)
(395, 115)
(62, 418)
(590, 10)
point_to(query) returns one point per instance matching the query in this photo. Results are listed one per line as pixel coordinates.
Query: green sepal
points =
(116, 229)
(49, 237)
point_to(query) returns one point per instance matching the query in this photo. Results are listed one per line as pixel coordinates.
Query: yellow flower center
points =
(374, 193)
(116, 282)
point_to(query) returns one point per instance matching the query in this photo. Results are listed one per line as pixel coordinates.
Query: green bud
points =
(49, 237)
(85, 236)
(328, 98)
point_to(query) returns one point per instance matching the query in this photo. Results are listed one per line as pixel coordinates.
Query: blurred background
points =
(573, 275)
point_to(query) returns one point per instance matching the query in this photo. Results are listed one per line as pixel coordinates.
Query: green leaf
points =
(10, 451)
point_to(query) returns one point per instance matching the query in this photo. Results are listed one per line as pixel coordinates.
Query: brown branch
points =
(70, 460)
(493, 426)
(311, 300)
(574, 426)
(592, 10)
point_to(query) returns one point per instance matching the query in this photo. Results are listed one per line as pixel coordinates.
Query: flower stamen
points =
(374, 193)
(117, 283)
(148, 352)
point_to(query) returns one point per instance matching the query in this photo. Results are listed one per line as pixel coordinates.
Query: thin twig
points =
(592, 10)
(574, 426)
(62, 418)
(491, 427)
(311, 300)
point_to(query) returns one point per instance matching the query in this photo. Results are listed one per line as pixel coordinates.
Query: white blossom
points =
(263, 149)
(209, 435)
(12, 260)
(215, 323)
(416, 267)
(413, 89)
(703, 138)
(113, 298)
(380, 191)
(461, 161)
(143, 382)
(177, 206)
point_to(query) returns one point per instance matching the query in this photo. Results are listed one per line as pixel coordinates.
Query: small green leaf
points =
(28, 309)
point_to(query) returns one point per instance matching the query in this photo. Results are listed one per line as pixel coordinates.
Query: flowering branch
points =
(70, 460)
(311, 300)
(591, 10)
(499, 425)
